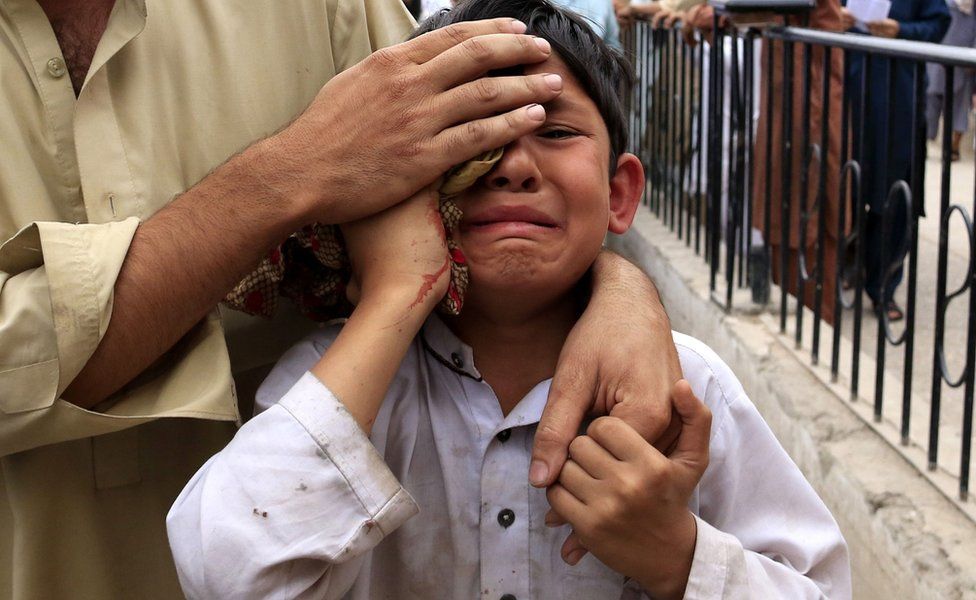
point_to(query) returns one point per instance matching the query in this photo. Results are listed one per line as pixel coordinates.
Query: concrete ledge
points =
(907, 540)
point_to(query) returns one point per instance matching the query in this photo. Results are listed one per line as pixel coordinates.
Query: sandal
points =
(892, 310)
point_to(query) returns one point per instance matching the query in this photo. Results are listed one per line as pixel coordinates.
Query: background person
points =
(599, 14)
(962, 33)
(886, 159)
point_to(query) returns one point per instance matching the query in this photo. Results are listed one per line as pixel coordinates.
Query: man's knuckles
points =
(486, 90)
(479, 51)
(384, 59)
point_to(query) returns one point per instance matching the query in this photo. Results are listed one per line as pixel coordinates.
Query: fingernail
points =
(555, 82)
(543, 45)
(518, 26)
(536, 112)
(538, 471)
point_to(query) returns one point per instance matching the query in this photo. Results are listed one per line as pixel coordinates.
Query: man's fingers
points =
(425, 47)
(572, 550)
(491, 95)
(476, 56)
(570, 397)
(463, 142)
(696, 426)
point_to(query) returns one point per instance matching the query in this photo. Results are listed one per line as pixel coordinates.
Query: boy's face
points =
(537, 221)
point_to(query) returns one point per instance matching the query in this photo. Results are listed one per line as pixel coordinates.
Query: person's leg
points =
(872, 255)
(896, 236)
(883, 254)
(935, 74)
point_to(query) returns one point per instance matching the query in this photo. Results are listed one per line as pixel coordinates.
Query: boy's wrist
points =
(669, 581)
(399, 304)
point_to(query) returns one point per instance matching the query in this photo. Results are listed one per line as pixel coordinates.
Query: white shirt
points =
(436, 502)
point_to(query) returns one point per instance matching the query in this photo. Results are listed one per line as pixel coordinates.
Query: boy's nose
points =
(516, 171)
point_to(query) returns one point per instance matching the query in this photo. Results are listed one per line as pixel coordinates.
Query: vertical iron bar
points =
(843, 197)
(882, 340)
(967, 413)
(770, 50)
(821, 203)
(685, 103)
(732, 195)
(917, 184)
(750, 74)
(804, 191)
(700, 133)
(718, 66)
(860, 218)
(787, 172)
(940, 290)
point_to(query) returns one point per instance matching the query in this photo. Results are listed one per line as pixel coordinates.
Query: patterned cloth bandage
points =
(311, 267)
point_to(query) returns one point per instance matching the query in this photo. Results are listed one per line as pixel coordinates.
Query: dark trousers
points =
(884, 251)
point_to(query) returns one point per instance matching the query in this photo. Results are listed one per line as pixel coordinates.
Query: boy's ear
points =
(626, 187)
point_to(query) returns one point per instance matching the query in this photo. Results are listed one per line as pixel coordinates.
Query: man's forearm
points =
(613, 276)
(183, 261)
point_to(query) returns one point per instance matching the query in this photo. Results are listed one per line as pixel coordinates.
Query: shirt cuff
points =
(717, 566)
(81, 264)
(56, 292)
(343, 442)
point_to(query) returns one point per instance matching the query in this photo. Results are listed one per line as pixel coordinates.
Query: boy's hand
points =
(400, 253)
(628, 503)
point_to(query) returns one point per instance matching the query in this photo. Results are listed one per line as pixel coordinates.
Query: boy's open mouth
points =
(499, 216)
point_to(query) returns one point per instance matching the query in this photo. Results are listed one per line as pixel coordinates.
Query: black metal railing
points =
(758, 150)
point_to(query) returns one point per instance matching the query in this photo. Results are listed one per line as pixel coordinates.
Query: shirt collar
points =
(127, 21)
(441, 343)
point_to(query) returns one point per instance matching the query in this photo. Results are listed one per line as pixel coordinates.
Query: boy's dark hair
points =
(602, 71)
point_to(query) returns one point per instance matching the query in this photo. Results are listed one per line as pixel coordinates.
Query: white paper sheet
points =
(866, 11)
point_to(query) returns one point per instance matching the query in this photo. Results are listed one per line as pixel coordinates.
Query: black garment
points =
(886, 159)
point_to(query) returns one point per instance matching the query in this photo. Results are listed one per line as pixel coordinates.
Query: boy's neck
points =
(515, 347)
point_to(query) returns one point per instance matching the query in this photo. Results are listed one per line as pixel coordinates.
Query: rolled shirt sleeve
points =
(56, 289)
(289, 508)
(762, 532)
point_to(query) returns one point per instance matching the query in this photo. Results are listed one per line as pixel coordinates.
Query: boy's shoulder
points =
(711, 379)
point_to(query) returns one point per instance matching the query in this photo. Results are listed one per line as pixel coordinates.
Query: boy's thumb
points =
(691, 448)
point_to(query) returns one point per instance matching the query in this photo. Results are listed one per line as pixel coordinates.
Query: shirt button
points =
(508, 597)
(456, 359)
(55, 67)
(506, 517)
(503, 435)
